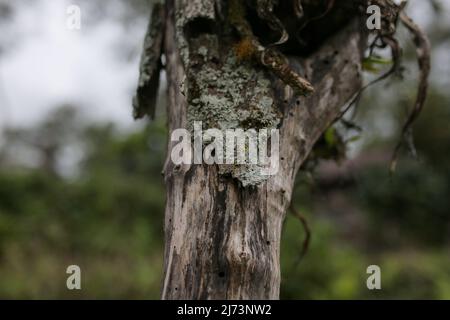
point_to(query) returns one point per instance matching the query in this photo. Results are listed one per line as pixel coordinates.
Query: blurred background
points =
(80, 181)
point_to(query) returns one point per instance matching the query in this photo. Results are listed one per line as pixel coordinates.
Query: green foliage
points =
(108, 220)
(375, 64)
(327, 271)
(336, 269)
(410, 206)
(331, 145)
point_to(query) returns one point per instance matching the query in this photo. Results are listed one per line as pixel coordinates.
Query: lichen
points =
(187, 11)
(249, 175)
(233, 96)
(225, 91)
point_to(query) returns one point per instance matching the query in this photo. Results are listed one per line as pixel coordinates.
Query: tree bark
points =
(223, 239)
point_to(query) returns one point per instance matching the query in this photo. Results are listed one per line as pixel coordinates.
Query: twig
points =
(304, 222)
(423, 49)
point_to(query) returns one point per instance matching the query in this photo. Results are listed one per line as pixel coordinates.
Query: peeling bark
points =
(144, 102)
(223, 239)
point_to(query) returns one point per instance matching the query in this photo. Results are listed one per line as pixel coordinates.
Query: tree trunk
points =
(223, 236)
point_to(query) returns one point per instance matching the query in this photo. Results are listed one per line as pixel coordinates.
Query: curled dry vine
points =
(385, 37)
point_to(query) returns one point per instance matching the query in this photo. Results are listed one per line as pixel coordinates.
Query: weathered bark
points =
(223, 239)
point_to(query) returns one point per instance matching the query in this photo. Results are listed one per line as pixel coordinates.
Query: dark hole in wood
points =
(199, 26)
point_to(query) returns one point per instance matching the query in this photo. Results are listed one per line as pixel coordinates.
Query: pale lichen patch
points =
(233, 95)
(223, 91)
(249, 175)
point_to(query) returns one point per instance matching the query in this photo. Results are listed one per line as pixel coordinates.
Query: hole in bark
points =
(268, 243)
(308, 33)
(221, 274)
(215, 60)
(199, 26)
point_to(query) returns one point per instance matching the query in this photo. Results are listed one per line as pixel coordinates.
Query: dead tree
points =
(292, 65)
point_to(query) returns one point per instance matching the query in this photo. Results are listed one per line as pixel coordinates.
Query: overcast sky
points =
(47, 65)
